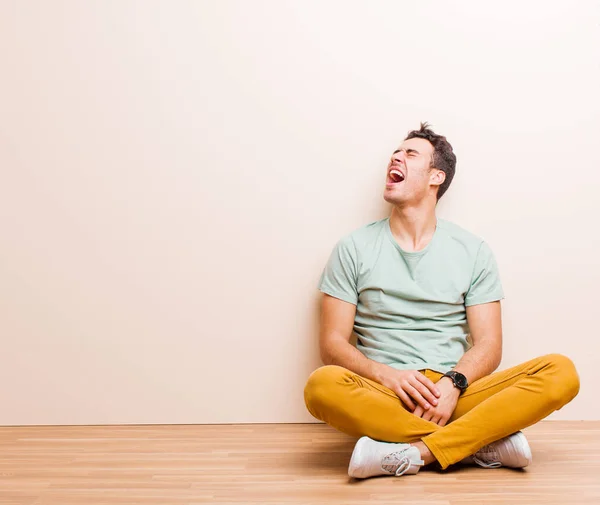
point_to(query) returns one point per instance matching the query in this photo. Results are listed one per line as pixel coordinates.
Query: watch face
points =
(461, 380)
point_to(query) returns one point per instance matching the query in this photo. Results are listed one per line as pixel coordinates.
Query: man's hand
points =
(446, 404)
(412, 387)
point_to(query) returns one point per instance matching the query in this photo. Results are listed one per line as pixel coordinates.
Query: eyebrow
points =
(408, 151)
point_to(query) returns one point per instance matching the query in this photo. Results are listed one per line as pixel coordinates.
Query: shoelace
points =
(487, 461)
(403, 467)
(397, 463)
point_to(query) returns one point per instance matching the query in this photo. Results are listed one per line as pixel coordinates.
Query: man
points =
(422, 297)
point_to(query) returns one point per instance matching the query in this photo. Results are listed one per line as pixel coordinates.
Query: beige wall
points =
(175, 174)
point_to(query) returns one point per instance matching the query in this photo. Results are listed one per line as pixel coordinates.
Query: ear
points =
(437, 177)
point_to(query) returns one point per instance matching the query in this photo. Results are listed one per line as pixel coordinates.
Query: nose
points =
(398, 157)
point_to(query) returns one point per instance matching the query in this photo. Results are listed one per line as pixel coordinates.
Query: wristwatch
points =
(458, 379)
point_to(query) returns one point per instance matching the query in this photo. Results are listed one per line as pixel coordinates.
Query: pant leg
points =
(503, 403)
(359, 406)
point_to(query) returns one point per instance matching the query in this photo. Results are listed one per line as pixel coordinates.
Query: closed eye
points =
(409, 152)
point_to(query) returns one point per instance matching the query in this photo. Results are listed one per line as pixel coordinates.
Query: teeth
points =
(398, 173)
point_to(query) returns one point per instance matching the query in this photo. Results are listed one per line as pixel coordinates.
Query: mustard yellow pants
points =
(491, 408)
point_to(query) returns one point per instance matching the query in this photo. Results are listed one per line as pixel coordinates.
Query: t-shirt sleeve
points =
(485, 282)
(340, 276)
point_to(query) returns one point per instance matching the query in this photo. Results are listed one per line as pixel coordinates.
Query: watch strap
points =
(452, 375)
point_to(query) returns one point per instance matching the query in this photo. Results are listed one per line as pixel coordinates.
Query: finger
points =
(443, 421)
(418, 411)
(428, 383)
(429, 415)
(425, 393)
(437, 420)
(406, 399)
(415, 395)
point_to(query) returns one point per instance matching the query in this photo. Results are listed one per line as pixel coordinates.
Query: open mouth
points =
(396, 176)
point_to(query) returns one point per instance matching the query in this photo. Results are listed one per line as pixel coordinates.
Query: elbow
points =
(333, 349)
(330, 350)
(326, 357)
(489, 355)
(497, 358)
(497, 363)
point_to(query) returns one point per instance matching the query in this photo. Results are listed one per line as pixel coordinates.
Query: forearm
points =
(342, 353)
(479, 361)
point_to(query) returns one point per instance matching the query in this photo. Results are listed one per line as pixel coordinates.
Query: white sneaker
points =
(371, 458)
(512, 451)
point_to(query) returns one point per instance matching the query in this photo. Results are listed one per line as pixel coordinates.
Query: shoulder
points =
(459, 236)
(366, 235)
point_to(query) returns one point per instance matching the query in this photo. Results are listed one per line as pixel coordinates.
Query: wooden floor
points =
(272, 464)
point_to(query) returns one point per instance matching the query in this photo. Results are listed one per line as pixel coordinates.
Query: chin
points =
(393, 199)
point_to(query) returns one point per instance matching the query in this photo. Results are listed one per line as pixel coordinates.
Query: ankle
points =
(426, 455)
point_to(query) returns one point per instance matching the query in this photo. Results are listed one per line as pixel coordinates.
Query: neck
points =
(413, 226)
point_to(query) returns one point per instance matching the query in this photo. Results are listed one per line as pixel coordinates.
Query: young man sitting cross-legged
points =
(413, 288)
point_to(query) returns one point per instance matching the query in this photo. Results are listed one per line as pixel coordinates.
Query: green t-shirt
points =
(411, 306)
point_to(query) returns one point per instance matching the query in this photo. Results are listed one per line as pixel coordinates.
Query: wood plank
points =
(272, 464)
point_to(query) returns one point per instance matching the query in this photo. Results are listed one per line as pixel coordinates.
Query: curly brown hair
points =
(443, 158)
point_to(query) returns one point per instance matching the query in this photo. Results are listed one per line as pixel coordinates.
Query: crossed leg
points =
(490, 409)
